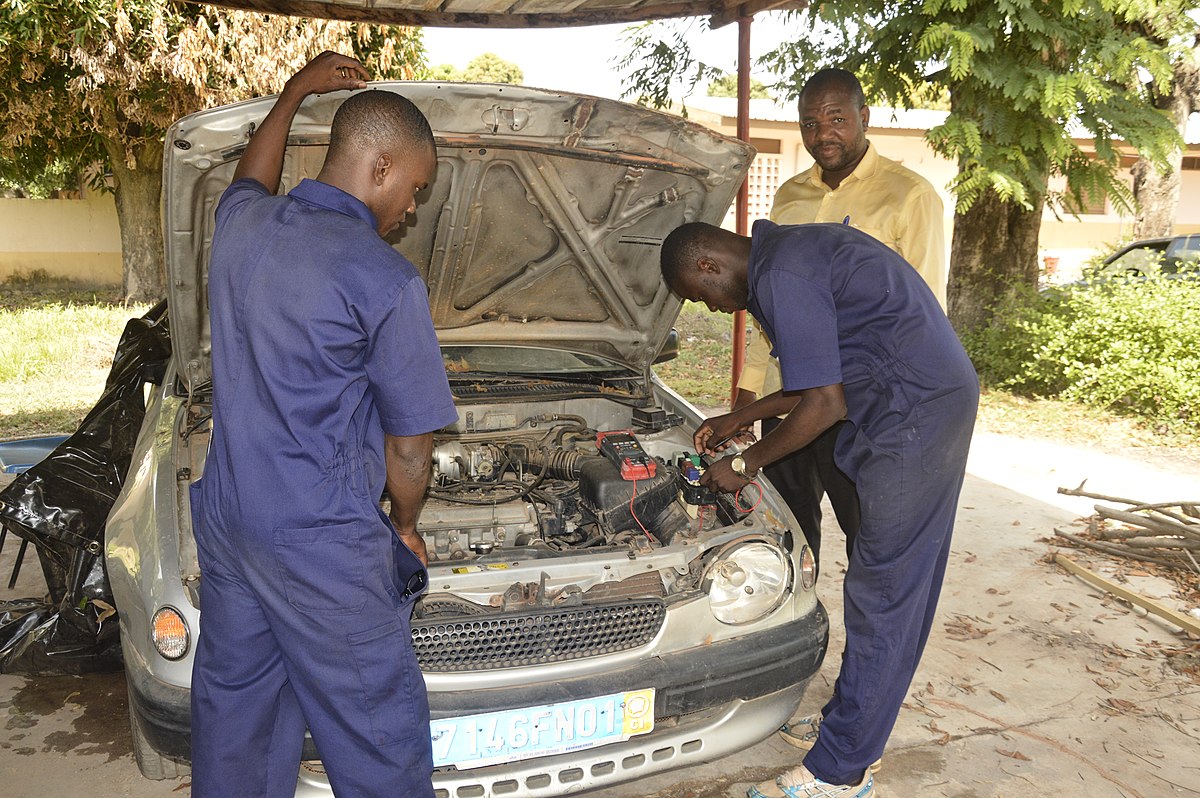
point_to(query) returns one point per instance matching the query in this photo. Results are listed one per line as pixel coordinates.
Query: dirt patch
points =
(716, 788)
(95, 707)
(917, 762)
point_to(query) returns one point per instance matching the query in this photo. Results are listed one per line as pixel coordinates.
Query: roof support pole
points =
(743, 197)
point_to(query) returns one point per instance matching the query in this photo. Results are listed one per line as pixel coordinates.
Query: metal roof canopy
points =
(558, 14)
(512, 13)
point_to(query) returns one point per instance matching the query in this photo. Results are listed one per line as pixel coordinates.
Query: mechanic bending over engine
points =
(860, 336)
(851, 183)
(327, 385)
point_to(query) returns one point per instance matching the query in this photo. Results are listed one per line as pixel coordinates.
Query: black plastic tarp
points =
(60, 505)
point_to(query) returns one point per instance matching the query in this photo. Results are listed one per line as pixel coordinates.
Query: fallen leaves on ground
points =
(962, 627)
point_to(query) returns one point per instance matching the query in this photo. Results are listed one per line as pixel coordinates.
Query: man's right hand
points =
(263, 158)
(742, 398)
(328, 72)
(718, 430)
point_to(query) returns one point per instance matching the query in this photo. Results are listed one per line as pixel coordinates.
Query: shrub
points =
(1132, 346)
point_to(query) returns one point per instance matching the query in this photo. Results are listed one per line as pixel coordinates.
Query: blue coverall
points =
(321, 342)
(843, 308)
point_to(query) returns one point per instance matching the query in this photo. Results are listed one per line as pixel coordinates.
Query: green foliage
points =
(659, 60)
(1028, 80)
(443, 72)
(1132, 346)
(491, 68)
(726, 86)
(57, 339)
(483, 68)
(34, 178)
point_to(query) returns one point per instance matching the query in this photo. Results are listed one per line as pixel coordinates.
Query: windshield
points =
(518, 360)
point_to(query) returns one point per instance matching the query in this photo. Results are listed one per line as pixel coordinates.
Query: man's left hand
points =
(721, 477)
(416, 544)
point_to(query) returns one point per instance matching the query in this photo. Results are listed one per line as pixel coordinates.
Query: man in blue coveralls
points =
(859, 336)
(327, 386)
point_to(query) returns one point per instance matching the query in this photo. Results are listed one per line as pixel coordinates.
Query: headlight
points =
(747, 581)
(169, 632)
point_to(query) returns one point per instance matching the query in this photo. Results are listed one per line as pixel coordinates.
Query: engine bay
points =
(551, 484)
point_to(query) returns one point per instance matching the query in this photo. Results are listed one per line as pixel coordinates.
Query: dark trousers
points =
(909, 477)
(803, 477)
(307, 628)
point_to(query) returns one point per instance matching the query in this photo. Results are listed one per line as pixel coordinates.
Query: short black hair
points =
(683, 248)
(833, 77)
(378, 118)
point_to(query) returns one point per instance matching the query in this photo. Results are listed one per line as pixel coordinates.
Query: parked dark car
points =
(579, 629)
(1152, 257)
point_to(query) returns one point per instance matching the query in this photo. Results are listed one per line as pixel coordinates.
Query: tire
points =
(150, 762)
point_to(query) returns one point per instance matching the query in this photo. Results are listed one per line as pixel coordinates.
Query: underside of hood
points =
(542, 225)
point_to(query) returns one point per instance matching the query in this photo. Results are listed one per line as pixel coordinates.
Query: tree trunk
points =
(1157, 192)
(138, 198)
(993, 250)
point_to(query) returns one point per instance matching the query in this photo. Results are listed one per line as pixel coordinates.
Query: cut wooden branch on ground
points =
(1124, 551)
(1162, 533)
(1150, 605)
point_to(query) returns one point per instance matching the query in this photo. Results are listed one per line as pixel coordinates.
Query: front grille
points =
(509, 640)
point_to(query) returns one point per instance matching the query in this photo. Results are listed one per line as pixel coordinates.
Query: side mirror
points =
(670, 347)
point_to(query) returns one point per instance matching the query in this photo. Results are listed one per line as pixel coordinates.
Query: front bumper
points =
(163, 711)
(699, 738)
(709, 702)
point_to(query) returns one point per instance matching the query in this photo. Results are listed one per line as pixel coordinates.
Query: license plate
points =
(491, 737)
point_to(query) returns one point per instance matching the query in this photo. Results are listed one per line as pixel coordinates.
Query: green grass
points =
(701, 373)
(57, 341)
(56, 345)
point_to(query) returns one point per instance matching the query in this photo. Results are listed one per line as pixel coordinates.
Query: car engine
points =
(552, 489)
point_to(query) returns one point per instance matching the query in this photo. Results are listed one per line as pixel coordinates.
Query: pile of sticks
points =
(1163, 533)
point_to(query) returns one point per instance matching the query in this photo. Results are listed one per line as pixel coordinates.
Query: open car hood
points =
(542, 226)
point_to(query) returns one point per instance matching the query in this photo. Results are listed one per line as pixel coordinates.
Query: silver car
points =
(593, 614)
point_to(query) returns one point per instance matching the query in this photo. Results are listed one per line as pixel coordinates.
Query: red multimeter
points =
(623, 449)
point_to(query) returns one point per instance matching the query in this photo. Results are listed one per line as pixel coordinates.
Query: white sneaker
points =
(803, 735)
(799, 783)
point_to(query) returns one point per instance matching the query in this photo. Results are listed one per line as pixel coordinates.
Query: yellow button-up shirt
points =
(883, 199)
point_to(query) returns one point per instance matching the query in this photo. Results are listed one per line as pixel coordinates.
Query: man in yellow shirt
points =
(849, 183)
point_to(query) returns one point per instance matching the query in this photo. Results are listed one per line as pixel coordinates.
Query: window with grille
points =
(764, 180)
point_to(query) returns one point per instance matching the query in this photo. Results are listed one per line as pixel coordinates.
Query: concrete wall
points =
(76, 239)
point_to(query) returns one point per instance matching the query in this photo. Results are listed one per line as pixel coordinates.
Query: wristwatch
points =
(738, 464)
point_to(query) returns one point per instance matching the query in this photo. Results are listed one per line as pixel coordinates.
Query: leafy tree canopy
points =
(491, 68)
(86, 81)
(726, 86)
(1028, 79)
(483, 68)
